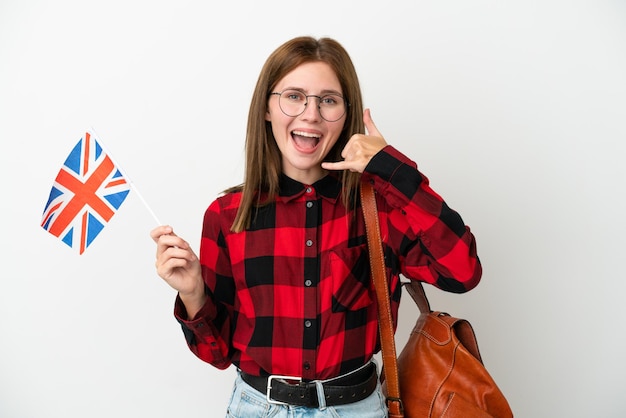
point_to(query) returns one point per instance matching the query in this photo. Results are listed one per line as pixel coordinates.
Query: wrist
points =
(193, 301)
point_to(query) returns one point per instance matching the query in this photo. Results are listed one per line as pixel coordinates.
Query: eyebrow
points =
(322, 93)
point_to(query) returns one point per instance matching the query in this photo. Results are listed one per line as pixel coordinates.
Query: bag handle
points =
(385, 322)
(416, 290)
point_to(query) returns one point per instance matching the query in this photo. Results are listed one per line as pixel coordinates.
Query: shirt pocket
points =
(350, 273)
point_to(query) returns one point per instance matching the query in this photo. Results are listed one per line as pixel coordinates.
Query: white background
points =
(516, 111)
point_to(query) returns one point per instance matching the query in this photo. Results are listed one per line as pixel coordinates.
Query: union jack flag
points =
(86, 193)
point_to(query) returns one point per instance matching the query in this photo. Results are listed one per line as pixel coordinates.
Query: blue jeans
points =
(247, 402)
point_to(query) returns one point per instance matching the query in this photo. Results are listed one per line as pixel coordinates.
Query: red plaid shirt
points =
(292, 294)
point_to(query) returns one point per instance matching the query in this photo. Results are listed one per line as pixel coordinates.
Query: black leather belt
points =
(342, 390)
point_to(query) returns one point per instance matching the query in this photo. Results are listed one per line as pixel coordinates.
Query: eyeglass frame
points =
(306, 96)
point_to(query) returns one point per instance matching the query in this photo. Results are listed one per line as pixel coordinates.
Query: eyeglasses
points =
(293, 103)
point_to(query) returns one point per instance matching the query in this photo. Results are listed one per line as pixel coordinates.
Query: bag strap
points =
(385, 322)
(416, 290)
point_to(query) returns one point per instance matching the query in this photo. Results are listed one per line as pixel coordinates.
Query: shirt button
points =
(308, 323)
(306, 365)
(309, 243)
(309, 204)
(308, 283)
(309, 190)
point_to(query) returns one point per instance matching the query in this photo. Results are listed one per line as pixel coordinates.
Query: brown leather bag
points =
(439, 372)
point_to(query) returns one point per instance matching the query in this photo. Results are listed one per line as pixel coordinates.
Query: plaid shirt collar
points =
(328, 187)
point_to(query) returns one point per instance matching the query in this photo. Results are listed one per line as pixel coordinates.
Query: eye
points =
(330, 100)
(294, 96)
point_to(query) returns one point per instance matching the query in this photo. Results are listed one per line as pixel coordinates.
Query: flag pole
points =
(130, 181)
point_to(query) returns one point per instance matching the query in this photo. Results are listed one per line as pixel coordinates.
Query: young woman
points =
(282, 288)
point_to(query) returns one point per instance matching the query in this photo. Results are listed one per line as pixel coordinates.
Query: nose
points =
(311, 110)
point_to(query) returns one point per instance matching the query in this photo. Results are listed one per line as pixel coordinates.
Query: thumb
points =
(370, 127)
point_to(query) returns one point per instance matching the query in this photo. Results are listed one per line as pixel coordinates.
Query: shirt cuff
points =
(200, 323)
(389, 167)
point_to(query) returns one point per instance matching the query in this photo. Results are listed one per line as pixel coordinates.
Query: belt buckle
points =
(269, 387)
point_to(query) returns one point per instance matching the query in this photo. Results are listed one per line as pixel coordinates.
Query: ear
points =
(268, 117)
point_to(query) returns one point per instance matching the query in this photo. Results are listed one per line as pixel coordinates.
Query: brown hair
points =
(263, 158)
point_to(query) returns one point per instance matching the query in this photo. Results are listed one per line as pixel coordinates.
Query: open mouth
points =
(306, 140)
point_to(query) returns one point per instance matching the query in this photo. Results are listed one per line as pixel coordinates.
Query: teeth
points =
(306, 134)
